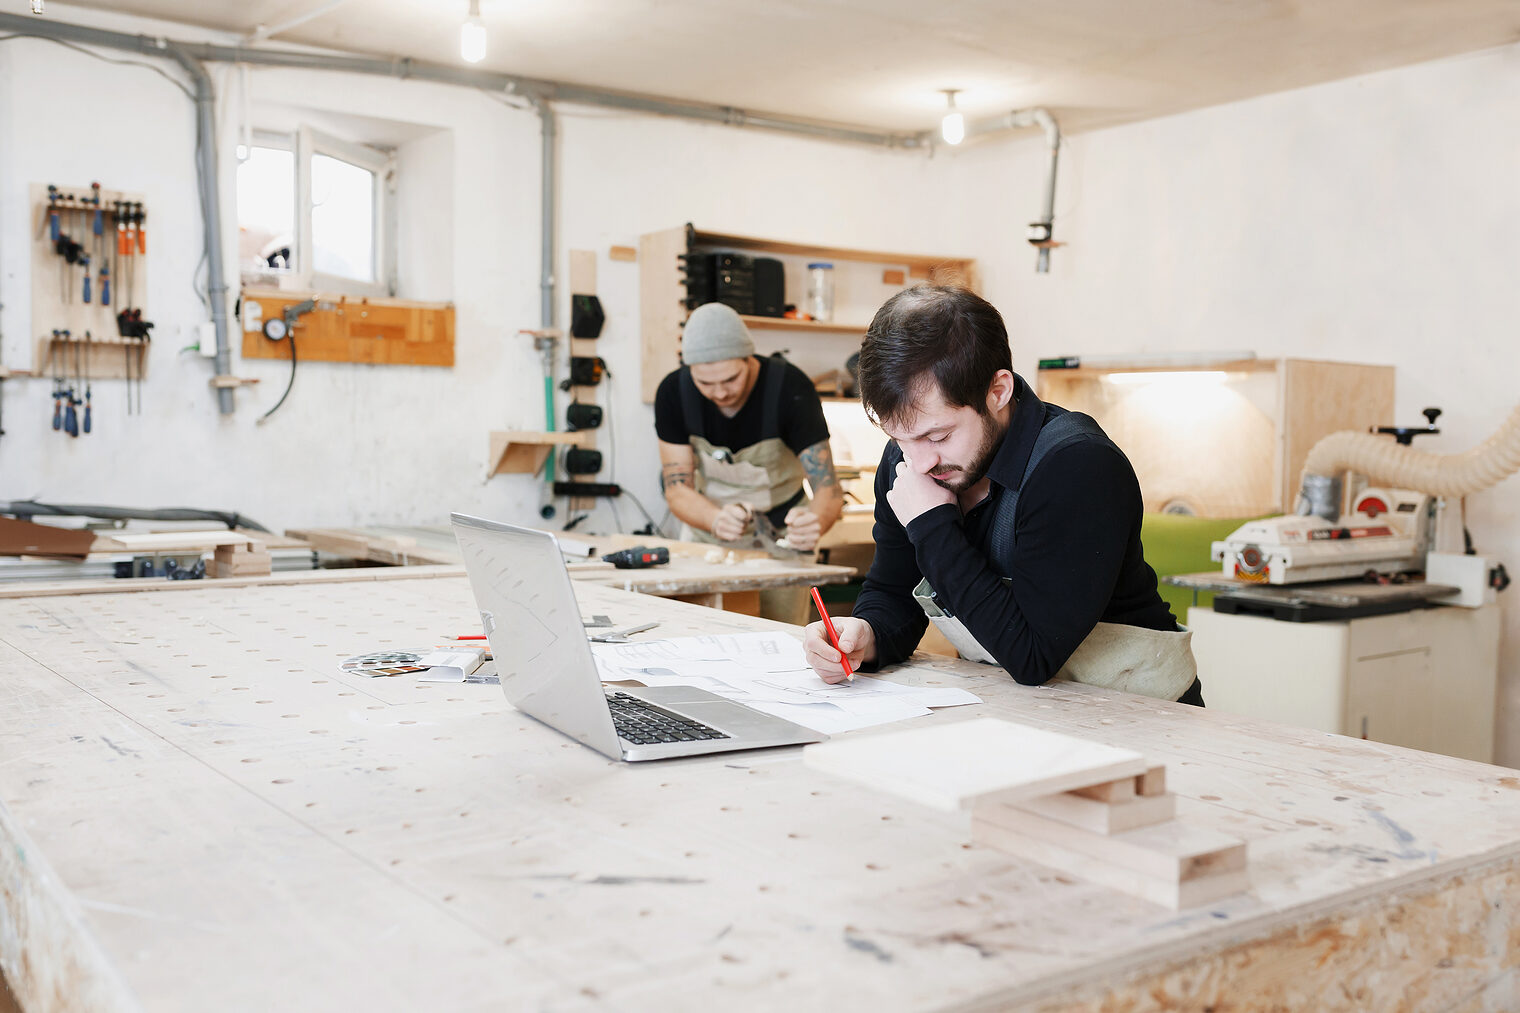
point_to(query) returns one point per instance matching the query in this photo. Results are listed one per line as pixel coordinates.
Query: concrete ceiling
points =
(882, 63)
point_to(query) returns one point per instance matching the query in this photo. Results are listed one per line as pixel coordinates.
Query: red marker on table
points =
(828, 624)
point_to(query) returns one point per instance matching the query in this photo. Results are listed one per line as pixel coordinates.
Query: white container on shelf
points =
(820, 291)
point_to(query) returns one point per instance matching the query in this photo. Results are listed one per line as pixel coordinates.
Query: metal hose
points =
(1385, 462)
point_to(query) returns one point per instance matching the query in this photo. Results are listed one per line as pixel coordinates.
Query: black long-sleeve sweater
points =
(1077, 559)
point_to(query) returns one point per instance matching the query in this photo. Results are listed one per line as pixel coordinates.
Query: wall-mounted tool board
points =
(395, 332)
(58, 288)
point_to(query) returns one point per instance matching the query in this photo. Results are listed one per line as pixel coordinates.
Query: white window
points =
(314, 213)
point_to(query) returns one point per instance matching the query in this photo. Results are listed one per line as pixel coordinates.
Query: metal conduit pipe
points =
(422, 70)
(1042, 231)
(211, 216)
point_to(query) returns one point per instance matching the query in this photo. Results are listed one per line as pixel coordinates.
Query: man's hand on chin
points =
(914, 493)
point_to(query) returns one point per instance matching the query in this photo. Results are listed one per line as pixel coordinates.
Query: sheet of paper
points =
(767, 671)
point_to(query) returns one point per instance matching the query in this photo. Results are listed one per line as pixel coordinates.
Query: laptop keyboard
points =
(643, 723)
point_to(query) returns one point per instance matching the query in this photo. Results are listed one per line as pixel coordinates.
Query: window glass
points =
(266, 206)
(342, 218)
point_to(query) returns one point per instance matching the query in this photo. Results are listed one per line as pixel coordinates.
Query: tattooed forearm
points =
(674, 474)
(818, 464)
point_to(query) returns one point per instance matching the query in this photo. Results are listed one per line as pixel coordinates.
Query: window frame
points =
(305, 143)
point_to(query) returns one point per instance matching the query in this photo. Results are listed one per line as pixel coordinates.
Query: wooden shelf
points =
(516, 452)
(911, 260)
(662, 295)
(1230, 366)
(817, 326)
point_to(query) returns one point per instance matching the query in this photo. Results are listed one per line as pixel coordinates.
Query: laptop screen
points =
(528, 609)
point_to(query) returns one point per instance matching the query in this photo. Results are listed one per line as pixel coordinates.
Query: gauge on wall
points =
(276, 329)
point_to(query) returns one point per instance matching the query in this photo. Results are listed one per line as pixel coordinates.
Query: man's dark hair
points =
(948, 334)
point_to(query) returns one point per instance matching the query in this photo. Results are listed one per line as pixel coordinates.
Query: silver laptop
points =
(528, 608)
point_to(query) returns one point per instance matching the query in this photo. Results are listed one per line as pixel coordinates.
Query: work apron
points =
(1130, 659)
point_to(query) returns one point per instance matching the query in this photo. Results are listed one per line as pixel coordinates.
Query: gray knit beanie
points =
(713, 333)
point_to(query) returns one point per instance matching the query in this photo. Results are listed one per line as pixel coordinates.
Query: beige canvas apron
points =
(1131, 659)
(763, 475)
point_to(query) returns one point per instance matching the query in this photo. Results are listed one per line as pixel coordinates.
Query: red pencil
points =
(828, 624)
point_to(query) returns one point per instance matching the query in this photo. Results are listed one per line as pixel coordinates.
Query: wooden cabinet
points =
(1224, 439)
(812, 345)
(1426, 679)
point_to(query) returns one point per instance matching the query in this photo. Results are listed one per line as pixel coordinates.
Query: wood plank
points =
(583, 272)
(165, 541)
(737, 242)
(348, 575)
(627, 254)
(662, 308)
(1173, 850)
(1100, 817)
(1169, 893)
(952, 767)
(1320, 398)
(373, 330)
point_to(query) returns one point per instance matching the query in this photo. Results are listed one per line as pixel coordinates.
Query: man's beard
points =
(992, 436)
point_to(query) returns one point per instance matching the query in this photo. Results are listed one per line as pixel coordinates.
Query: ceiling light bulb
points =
(472, 36)
(953, 127)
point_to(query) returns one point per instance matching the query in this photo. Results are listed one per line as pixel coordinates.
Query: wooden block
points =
(921, 271)
(1100, 817)
(1152, 783)
(950, 766)
(1121, 790)
(583, 272)
(626, 253)
(1168, 893)
(890, 277)
(1173, 850)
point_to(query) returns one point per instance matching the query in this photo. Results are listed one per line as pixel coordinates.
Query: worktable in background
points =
(688, 576)
(201, 812)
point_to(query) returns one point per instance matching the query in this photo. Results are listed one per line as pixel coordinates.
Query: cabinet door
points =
(1389, 699)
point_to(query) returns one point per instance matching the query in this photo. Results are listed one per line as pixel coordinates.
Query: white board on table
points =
(950, 766)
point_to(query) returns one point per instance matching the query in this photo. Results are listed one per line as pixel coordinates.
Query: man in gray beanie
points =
(738, 434)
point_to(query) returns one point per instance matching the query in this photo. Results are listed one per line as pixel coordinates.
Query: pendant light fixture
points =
(472, 36)
(953, 127)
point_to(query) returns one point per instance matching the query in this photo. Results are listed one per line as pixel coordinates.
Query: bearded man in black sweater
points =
(1011, 523)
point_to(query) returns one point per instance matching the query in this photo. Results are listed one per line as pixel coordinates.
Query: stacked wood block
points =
(1090, 810)
(241, 559)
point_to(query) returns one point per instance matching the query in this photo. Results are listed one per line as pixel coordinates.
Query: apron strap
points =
(691, 405)
(1067, 427)
(770, 407)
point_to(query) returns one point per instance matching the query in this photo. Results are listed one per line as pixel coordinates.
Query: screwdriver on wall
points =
(88, 348)
(86, 261)
(57, 381)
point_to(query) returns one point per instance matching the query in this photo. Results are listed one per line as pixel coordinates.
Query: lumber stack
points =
(249, 558)
(1090, 810)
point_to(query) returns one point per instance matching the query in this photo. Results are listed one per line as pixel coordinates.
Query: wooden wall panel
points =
(392, 332)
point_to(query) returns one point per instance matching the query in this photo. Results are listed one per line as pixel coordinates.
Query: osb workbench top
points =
(200, 812)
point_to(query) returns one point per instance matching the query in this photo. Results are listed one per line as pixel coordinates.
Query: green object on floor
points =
(1177, 543)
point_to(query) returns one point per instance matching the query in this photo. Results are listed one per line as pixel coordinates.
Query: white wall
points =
(1375, 219)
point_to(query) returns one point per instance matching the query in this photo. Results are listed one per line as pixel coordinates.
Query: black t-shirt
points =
(801, 414)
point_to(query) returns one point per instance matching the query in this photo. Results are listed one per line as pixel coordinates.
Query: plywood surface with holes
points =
(386, 332)
(306, 838)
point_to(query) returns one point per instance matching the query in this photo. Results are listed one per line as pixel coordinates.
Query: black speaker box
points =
(769, 287)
